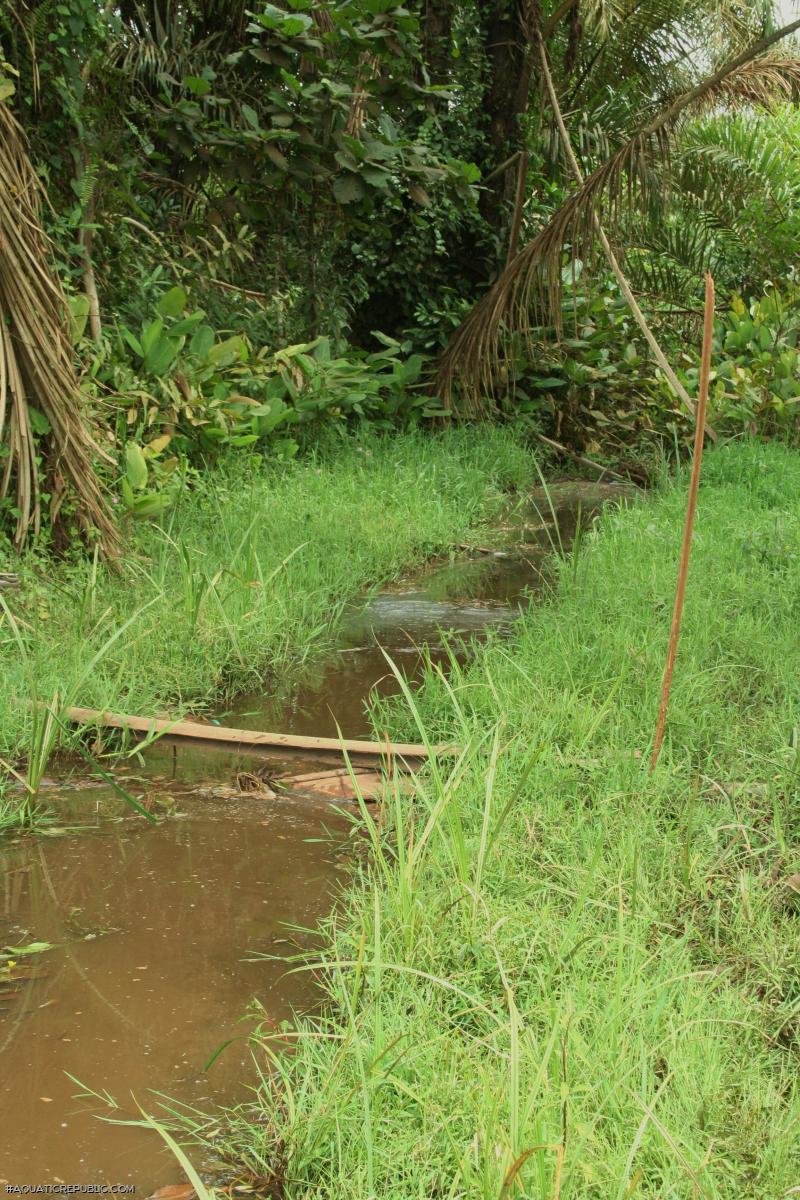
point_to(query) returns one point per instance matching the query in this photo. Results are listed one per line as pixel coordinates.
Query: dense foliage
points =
(270, 218)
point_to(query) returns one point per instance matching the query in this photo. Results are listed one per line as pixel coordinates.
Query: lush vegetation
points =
(250, 259)
(272, 219)
(239, 585)
(557, 974)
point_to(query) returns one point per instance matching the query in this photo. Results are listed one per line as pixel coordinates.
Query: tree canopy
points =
(434, 173)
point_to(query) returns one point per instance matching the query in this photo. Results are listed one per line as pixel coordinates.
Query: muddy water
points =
(153, 925)
(158, 930)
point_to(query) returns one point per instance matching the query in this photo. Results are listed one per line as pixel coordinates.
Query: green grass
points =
(243, 581)
(556, 976)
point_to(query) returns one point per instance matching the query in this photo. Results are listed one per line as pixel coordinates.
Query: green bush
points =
(599, 388)
(175, 394)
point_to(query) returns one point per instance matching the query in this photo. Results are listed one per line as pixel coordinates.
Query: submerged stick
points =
(691, 505)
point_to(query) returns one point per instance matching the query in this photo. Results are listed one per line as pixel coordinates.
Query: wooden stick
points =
(691, 505)
(250, 738)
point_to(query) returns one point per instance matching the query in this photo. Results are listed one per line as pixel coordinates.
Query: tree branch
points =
(552, 21)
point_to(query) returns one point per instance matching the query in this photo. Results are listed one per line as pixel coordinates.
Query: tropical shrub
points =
(176, 394)
(594, 385)
(756, 382)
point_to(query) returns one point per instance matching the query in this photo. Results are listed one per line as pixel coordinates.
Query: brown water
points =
(158, 929)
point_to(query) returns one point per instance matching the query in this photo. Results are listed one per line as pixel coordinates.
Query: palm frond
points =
(532, 282)
(36, 368)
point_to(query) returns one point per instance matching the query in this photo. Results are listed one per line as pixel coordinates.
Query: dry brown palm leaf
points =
(529, 290)
(36, 369)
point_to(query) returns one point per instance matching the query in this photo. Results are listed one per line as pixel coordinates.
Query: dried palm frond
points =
(36, 371)
(531, 284)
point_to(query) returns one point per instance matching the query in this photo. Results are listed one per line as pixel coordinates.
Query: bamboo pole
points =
(691, 505)
(254, 739)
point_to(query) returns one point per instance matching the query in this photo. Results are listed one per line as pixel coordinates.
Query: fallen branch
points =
(253, 739)
(580, 458)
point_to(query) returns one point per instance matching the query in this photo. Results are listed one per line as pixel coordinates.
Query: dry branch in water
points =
(36, 369)
(529, 291)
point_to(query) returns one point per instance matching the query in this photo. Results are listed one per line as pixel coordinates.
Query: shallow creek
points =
(157, 929)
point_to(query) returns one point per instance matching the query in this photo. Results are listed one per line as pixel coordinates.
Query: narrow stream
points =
(156, 928)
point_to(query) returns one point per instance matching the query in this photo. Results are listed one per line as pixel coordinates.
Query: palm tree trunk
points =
(507, 47)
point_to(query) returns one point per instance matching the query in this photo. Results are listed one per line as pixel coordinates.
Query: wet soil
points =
(162, 934)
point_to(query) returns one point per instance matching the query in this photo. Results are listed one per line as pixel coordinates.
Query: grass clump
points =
(243, 579)
(557, 976)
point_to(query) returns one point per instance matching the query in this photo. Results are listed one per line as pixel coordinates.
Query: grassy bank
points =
(557, 976)
(245, 577)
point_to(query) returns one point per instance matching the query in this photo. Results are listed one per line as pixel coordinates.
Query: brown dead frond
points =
(761, 84)
(36, 370)
(528, 293)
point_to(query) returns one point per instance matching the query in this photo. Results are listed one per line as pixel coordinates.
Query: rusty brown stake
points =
(691, 505)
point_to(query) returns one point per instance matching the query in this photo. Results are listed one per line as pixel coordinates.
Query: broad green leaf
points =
(202, 340)
(376, 177)
(294, 25)
(151, 333)
(39, 422)
(197, 85)
(172, 303)
(412, 369)
(272, 415)
(223, 354)
(251, 116)
(151, 505)
(31, 948)
(384, 339)
(348, 189)
(135, 466)
(79, 315)
(187, 325)
(132, 341)
(306, 365)
(291, 81)
(354, 145)
(161, 355)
